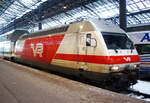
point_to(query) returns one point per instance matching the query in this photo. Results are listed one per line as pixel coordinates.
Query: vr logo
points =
(38, 49)
(127, 59)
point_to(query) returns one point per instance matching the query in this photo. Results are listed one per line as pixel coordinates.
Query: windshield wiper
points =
(131, 49)
(116, 50)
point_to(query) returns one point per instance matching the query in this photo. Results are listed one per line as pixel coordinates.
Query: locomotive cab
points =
(105, 51)
(121, 47)
(121, 60)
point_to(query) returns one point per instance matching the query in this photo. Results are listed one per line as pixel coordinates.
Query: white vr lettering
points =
(127, 59)
(37, 49)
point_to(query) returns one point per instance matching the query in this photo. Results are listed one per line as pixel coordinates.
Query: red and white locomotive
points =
(91, 49)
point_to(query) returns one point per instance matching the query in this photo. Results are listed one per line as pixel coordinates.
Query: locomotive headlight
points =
(114, 68)
(135, 66)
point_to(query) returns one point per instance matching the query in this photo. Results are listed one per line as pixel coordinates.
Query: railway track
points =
(137, 93)
(141, 90)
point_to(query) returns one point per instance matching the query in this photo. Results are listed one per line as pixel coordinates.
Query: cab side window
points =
(88, 39)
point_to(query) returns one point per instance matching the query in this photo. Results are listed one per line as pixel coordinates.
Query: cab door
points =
(83, 43)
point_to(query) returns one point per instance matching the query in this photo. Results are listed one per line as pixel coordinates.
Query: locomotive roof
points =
(84, 26)
(94, 25)
(46, 32)
(104, 26)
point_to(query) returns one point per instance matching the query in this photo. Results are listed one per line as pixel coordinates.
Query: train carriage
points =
(141, 41)
(7, 43)
(91, 49)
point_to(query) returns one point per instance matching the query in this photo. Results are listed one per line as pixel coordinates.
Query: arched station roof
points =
(28, 13)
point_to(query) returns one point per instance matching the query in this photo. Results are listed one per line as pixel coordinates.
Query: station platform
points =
(21, 84)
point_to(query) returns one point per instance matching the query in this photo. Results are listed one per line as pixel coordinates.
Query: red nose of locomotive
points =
(119, 63)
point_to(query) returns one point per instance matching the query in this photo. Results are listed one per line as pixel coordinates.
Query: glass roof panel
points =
(147, 4)
(138, 5)
(19, 8)
(106, 10)
(28, 3)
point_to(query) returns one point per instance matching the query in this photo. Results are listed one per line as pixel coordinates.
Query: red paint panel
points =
(99, 59)
(124, 59)
(41, 49)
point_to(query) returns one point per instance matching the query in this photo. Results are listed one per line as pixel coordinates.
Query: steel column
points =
(40, 17)
(123, 17)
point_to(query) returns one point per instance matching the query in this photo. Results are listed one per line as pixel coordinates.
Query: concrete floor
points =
(21, 84)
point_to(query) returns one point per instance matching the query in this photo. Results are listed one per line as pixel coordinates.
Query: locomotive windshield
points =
(117, 41)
